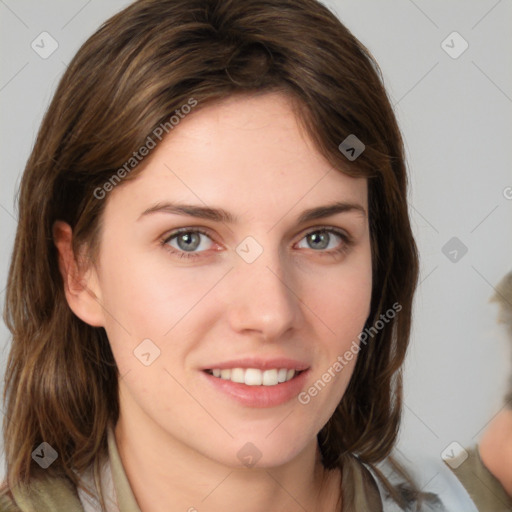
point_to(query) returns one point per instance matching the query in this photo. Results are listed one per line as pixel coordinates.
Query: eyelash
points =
(347, 241)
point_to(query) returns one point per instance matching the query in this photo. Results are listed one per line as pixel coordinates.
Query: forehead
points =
(249, 152)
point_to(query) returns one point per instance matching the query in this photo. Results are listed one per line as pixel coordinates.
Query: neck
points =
(166, 476)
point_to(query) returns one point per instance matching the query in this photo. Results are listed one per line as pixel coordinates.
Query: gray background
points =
(455, 114)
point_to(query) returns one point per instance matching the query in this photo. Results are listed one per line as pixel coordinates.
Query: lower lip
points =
(259, 396)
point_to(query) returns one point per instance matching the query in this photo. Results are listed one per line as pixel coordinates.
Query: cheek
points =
(149, 298)
(341, 310)
(341, 299)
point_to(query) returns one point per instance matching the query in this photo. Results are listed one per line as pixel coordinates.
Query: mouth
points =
(257, 383)
(255, 376)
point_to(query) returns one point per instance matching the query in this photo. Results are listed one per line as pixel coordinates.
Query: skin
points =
(496, 449)
(178, 438)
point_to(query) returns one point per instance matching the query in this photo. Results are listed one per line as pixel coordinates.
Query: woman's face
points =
(270, 272)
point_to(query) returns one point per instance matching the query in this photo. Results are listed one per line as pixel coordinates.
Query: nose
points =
(264, 297)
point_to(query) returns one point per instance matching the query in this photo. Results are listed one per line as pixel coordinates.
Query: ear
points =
(81, 286)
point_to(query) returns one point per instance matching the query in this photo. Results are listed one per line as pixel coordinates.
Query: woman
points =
(211, 287)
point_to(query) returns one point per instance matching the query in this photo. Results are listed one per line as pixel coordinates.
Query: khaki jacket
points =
(484, 489)
(60, 495)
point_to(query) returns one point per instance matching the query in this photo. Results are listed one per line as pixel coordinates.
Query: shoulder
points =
(360, 489)
(484, 489)
(41, 494)
(399, 489)
(7, 502)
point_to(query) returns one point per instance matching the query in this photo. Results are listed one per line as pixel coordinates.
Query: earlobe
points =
(80, 285)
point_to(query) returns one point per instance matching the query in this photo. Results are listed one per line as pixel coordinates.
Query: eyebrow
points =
(221, 215)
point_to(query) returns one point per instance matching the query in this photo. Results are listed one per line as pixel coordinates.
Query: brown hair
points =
(141, 66)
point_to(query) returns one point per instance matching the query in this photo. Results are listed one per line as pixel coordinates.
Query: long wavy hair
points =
(61, 381)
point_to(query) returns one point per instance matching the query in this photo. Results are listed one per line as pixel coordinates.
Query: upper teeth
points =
(254, 376)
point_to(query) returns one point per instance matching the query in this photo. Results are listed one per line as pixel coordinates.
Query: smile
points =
(255, 376)
(257, 388)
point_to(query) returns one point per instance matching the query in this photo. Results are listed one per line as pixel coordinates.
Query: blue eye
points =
(191, 243)
(326, 240)
(186, 242)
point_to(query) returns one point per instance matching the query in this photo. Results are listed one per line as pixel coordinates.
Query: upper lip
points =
(262, 364)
